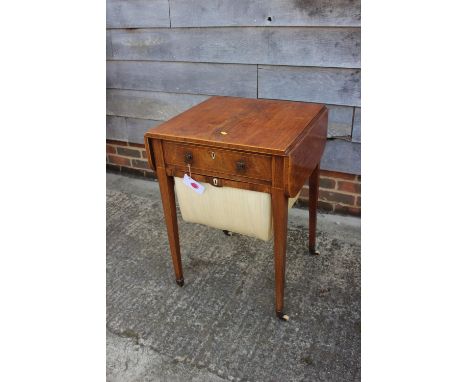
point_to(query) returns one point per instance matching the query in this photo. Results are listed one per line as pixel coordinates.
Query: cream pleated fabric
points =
(242, 211)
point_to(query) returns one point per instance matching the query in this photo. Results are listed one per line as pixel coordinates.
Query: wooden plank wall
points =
(164, 56)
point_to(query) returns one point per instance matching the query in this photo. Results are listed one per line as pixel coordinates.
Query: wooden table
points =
(262, 145)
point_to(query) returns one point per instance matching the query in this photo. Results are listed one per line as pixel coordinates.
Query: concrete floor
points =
(221, 325)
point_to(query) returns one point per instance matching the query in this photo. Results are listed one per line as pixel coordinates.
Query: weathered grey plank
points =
(136, 128)
(184, 77)
(357, 125)
(325, 85)
(340, 120)
(116, 128)
(330, 47)
(209, 13)
(108, 45)
(342, 156)
(137, 13)
(149, 105)
(128, 129)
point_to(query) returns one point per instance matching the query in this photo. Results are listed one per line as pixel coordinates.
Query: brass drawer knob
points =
(241, 166)
(188, 157)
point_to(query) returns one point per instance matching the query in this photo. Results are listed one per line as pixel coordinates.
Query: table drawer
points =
(225, 161)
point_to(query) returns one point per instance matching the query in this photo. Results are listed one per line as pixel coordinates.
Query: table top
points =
(268, 126)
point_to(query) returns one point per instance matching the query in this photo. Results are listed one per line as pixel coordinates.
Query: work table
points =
(260, 145)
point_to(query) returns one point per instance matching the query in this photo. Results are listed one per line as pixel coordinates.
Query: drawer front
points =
(220, 160)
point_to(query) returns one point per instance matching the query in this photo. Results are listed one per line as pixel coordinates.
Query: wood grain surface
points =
(209, 13)
(263, 126)
(330, 47)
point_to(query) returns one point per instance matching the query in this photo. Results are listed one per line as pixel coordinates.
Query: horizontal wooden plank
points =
(116, 128)
(210, 13)
(136, 128)
(325, 85)
(330, 47)
(137, 13)
(340, 121)
(108, 45)
(149, 105)
(342, 156)
(184, 77)
(128, 129)
(357, 125)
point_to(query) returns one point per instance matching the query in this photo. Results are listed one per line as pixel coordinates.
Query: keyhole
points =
(269, 18)
(213, 155)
